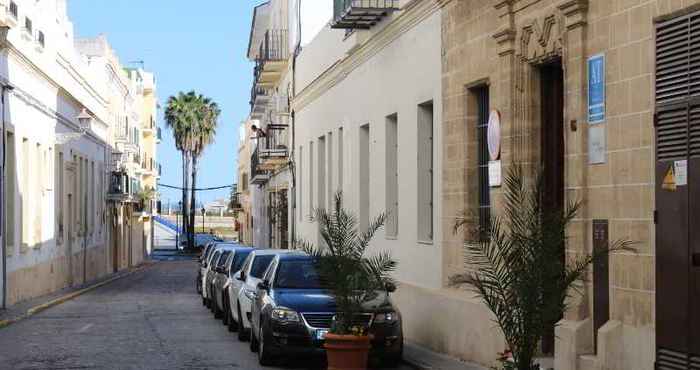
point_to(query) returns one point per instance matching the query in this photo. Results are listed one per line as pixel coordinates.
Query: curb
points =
(56, 301)
(415, 364)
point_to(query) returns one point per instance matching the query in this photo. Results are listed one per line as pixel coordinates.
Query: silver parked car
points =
(206, 266)
(232, 264)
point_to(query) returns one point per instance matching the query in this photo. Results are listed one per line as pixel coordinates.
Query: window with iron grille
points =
(28, 25)
(482, 99)
(41, 39)
(14, 11)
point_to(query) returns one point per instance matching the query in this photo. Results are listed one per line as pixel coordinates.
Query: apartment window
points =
(311, 178)
(14, 10)
(41, 39)
(321, 177)
(9, 196)
(59, 197)
(92, 196)
(24, 192)
(364, 176)
(39, 182)
(482, 121)
(329, 170)
(392, 176)
(340, 159)
(28, 26)
(425, 172)
(300, 177)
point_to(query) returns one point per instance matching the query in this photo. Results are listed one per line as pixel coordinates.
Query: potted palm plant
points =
(353, 280)
(519, 268)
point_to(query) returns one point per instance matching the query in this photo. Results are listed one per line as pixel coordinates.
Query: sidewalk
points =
(421, 358)
(32, 306)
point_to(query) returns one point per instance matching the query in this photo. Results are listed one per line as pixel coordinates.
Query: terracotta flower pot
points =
(347, 352)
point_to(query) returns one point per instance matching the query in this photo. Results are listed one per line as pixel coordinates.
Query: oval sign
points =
(493, 133)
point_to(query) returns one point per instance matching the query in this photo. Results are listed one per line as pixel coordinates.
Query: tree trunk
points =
(193, 210)
(185, 200)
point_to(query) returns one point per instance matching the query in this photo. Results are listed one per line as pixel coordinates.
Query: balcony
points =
(259, 101)
(120, 187)
(148, 127)
(236, 202)
(273, 148)
(361, 14)
(258, 175)
(272, 59)
(9, 13)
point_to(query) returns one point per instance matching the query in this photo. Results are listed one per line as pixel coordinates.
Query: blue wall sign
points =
(596, 88)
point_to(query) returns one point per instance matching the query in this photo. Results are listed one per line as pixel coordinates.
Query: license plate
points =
(321, 334)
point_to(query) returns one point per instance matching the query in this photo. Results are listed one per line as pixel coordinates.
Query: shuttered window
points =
(678, 88)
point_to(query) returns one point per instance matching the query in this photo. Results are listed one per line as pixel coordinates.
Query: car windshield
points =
(260, 264)
(238, 260)
(297, 275)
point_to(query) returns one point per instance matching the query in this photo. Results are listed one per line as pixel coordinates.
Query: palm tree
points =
(519, 269)
(207, 115)
(179, 116)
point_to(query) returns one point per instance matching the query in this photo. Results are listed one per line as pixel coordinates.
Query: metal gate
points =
(677, 121)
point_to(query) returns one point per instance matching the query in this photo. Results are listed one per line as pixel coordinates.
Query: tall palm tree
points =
(180, 117)
(207, 115)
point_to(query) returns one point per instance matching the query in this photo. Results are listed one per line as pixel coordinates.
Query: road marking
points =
(85, 328)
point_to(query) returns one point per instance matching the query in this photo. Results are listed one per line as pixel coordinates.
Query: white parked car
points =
(206, 266)
(243, 284)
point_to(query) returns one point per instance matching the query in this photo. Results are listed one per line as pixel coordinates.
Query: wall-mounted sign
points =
(495, 173)
(680, 172)
(493, 133)
(596, 88)
(596, 144)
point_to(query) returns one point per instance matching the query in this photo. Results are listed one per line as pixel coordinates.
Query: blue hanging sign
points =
(596, 88)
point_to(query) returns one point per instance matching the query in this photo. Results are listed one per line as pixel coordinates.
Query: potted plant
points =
(520, 270)
(353, 279)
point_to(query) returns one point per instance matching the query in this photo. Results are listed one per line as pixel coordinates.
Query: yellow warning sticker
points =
(669, 180)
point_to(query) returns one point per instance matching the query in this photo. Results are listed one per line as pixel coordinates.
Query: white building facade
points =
(58, 138)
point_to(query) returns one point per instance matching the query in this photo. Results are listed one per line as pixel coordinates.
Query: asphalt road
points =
(152, 319)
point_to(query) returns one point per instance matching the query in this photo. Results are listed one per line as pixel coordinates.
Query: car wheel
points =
(264, 357)
(241, 328)
(232, 326)
(253, 340)
(224, 315)
(204, 302)
(198, 284)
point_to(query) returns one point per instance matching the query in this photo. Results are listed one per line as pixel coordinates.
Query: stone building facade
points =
(529, 60)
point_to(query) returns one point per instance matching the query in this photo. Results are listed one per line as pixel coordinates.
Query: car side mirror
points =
(390, 287)
(264, 285)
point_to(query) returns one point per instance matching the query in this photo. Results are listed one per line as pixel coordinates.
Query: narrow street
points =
(152, 319)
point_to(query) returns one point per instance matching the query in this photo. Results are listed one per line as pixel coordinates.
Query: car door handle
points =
(696, 259)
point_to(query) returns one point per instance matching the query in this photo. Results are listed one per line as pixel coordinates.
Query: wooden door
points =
(677, 168)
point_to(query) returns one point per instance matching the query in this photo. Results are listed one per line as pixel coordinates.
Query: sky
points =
(198, 45)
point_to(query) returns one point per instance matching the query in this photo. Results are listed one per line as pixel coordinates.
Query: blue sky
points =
(198, 45)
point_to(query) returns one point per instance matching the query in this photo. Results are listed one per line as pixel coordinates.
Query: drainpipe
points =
(293, 195)
(3, 90)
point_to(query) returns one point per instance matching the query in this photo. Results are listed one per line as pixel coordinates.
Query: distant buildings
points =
(79, 140)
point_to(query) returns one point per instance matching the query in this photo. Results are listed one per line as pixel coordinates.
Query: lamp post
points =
(204, 212)
(177, 225)
(84, 119)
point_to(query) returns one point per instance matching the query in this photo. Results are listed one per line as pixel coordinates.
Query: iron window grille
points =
(14, 10)
(483, 164)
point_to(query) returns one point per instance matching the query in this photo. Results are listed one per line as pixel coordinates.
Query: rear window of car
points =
(297, 275)
(222, 258)
(260, 264)
(238, 260)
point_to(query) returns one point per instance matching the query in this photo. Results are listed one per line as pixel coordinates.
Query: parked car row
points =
(275, 299)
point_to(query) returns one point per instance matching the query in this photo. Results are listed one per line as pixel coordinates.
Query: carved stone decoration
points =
(541, 40)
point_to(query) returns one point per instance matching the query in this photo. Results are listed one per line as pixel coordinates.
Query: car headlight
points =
(285, 315)
(249, 293)
(386, 318)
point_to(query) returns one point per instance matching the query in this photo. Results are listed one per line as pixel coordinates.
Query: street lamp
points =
(177, 225)
(84, 119)
(204, 212)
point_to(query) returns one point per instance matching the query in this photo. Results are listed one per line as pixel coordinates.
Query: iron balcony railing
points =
(257, 92)
(275, 142)
(119, 183)
(274, 46)
(350, 14)
(257, 174)
(236, 201)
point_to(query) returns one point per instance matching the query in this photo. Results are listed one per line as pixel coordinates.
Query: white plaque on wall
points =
(596, 144)
(495, 173)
